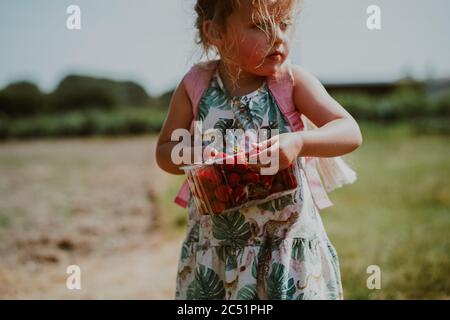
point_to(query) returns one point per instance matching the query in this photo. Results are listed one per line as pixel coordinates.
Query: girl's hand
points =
(285, 148)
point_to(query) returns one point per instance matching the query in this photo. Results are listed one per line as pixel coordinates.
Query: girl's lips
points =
(275, 56)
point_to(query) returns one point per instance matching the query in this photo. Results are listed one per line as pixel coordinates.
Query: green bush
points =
(76, 92)
(359, 105)
(83, 123)
(402, 103)
(22, 99)
(440, 105)
(73, 93)
(406, 102)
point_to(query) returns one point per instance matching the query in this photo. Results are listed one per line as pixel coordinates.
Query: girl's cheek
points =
(253, 47)
(259, 43)
(261, 49)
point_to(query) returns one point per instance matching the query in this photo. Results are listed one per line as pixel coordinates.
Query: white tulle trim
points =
(335, 172)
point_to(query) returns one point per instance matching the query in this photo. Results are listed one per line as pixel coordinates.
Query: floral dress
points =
(276, 250)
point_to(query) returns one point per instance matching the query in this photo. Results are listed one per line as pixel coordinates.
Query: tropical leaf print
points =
(242, 114)
(277, 204)
(279, 285)
(234, 233)
(334, 261)
(213, 98)
(228, 253)
(203, 110)
(223, 124)
(282, 202)
(247, 292)
(231, 228)
(206, 285)
(255, 265)
(258, 109)
(301, 296)
(266, 206)
(332, 293)
(298, 250)
(308, 295)
(191, 238)
(307, 250)
(227, 128)
(216, 99)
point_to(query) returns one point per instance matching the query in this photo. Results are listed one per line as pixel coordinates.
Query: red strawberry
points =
(267, 181)
(233, 179)
(241, 168)
(222, 193)
(240, 162)
(228, 162)
(218, 207)
(251, 177)
(208, 176)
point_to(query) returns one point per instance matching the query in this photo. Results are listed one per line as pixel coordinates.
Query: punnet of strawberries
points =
(231, 183)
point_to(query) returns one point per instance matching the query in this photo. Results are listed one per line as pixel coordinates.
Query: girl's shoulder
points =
(197, 80)
(302, 77)
(199, 74)
(203, 66)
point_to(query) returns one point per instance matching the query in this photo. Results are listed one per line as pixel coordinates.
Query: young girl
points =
(277, 250)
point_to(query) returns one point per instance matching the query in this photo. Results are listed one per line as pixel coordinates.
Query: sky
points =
(152, 41)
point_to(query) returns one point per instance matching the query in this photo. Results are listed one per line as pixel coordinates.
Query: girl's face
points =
(249, 46)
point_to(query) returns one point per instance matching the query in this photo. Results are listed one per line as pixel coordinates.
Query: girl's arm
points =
(179, 116)
(337, 132)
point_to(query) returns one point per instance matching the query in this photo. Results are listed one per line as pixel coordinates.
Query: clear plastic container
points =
(219, 187)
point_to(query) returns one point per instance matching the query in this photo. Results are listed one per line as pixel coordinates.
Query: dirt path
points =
(89, 203)
(145, 271)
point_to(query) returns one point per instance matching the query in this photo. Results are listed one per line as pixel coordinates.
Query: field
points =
(103, 204)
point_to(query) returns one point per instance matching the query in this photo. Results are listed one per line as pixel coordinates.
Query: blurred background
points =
(80, 111)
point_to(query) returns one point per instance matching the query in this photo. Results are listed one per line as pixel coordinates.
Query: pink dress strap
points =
(196, 82)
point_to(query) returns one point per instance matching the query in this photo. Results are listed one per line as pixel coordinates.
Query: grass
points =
(170, 216)
(396, 215)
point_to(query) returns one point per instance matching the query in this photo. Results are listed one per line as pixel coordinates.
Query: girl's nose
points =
(279, 35)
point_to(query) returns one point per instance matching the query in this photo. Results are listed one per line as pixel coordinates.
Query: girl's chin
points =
(269, 67)
(272, 66)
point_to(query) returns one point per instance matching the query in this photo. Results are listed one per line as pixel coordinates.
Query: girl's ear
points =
(212, 33)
